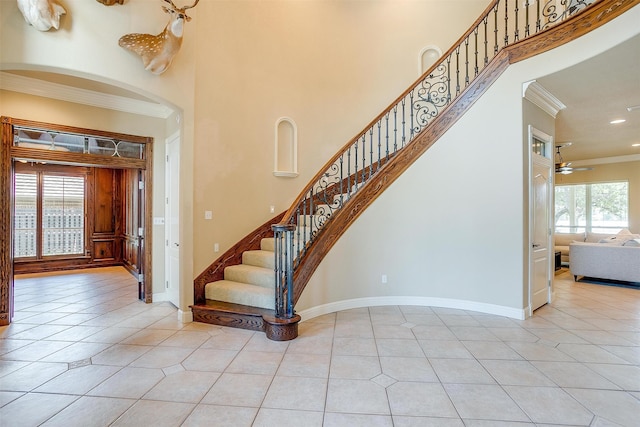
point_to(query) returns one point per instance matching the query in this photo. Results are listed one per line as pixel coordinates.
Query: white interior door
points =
(540, 220)
(172, 220)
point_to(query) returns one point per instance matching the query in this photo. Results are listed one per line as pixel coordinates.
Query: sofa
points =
(610, 261)
(563, 240)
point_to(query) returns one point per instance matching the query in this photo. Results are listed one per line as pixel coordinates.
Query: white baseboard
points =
(185, 316)
(499, 310)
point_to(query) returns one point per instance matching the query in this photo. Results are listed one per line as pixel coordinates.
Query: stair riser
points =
(265, 279)
(264, 259)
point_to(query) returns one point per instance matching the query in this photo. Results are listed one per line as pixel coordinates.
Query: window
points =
(49, 215)
(595, 207)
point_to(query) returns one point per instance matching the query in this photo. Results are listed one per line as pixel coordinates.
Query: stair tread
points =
(250, 274)
(240, 293)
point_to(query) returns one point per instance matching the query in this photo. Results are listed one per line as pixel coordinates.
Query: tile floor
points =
(83, 351)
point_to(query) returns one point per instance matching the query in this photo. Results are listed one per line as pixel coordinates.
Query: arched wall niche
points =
(286, 148)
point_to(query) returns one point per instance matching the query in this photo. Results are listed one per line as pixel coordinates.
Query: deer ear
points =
(166, 9)
(187, 18)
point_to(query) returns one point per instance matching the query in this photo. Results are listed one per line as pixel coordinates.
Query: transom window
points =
(601, 207)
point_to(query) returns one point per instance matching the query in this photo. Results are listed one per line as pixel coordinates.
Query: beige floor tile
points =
(472, 333)
(387, 318)
(33, 408)
(227, 341)
(491, 350)
(128, 383)
(513, 334)
(36, 350)
(424, 319)
(429, 332)
(484, 402)
(345, 329)
(90, 411)
(148, 336)
(185, 387)
(238, 390)
(305, 365)
(8, 366)
(624, 376)
(399, 347)
(420, 400)
(260, 342)
(491, 321)
(558, 336)
(461, 371)
(224, 416)
(79, 380)
(402, 421)
(76, 351)
(311, 329)
(408, 369)
(602, 338)
(356, 397)
(571, 374)
(516, 372)
(550, 405)
(186, 339)
(75, 333)
(266, 417)
(9, 396)
(311, 344)
(590, 353)
(207, 359)
(615, 406)
(162, 357)
(299, 393)
(332, 419)
(153, 413)
(628, 354)
(458, 320)
(355, 367)
(31, 376)
(494, 423)
(445, 349)
(120, 354)
(354, 347)
(392, 331)
(540, 351)
(111, 335)
(255, 362)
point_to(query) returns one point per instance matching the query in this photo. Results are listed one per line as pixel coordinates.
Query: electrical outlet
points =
(272, 209)
(208, 214)
(216, 247)
(384, 278)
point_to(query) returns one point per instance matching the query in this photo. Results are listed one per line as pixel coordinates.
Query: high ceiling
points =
(596, 92)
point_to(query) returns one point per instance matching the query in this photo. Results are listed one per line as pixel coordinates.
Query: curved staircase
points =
(243, 287)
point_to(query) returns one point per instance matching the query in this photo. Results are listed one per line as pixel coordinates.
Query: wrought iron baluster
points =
(370, 151)
(466, 62)
(411, 123)
(538, 16)
(486, 40)
(495, 30)
(475, 52)
(516, 36)
(341, 181)
(387, 133)
(457, 70)
(448, 79)
(348, 173)
(506, 22)
(284, 270)
(364, 158)
(395, 128)
(526, 18)
(355, 168)
(379, 142)
(404, 122)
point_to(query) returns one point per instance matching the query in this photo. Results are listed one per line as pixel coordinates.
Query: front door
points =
(541, 185)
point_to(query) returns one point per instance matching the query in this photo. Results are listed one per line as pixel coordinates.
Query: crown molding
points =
(606, 160)
(30, 86)
(537, 94)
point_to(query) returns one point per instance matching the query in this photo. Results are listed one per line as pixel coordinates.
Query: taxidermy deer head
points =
(42, 14)
(158, 51)
(110, 2)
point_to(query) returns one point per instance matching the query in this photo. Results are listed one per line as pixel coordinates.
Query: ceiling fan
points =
(563, 167)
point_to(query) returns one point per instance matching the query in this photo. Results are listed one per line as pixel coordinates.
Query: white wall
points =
(452, 230)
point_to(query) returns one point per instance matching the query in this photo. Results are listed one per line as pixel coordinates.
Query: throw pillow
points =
(632, 242)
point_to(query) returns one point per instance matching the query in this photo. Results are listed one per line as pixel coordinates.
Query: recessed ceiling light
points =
(615, 122)
(635, 145)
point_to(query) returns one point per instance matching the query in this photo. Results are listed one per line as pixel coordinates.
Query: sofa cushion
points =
(597, 237)
(632, 242)
(565, 239)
